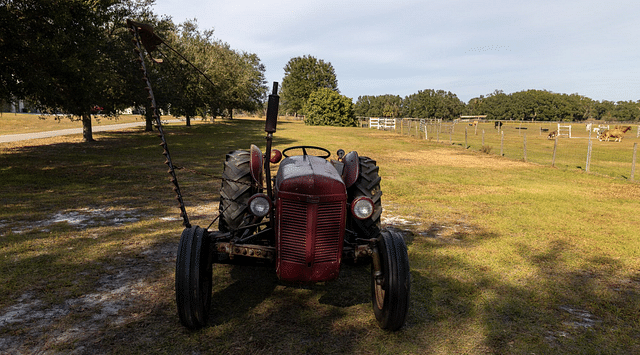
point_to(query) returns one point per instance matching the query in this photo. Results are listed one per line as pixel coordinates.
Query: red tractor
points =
(314, 215)
(311, 217)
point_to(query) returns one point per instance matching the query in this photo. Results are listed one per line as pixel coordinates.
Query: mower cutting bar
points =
(158, 123)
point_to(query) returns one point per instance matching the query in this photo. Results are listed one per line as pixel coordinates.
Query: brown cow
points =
(616, 134)
(552, 135)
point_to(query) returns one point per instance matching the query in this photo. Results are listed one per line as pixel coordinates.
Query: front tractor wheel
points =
(390, 281)
(193, 278)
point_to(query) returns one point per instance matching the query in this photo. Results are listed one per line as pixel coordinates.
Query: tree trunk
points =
(148, 116)
(188, 120)
(230, 111)
(87, 134)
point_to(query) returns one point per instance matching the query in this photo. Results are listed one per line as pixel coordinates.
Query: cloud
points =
(380, 47)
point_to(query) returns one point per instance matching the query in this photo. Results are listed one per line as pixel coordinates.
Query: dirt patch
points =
(456, 158)
(78, 218)
(30, 326)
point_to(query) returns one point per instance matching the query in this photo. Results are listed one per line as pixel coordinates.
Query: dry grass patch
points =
(456, 158)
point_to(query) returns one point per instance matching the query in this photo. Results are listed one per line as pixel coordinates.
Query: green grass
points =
(507, 257)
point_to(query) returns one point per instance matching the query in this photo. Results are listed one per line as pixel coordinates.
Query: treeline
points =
(536, 105)
(236, 78)
(75, 56)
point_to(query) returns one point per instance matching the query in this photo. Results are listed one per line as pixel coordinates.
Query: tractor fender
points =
(351, 169)
(256, 165)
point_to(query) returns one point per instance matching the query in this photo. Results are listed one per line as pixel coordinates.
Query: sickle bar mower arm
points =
(143, 33)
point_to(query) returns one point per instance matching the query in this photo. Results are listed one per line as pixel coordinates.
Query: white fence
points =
(382, 123)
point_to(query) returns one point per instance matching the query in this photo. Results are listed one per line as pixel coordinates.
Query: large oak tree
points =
(67, 56)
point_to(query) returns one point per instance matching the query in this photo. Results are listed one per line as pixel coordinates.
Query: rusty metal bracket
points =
(376, 265)
(248, 250)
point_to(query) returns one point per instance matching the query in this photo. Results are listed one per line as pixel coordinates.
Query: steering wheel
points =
(304, 151)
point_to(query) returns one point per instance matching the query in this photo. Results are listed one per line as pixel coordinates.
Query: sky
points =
(469, 48)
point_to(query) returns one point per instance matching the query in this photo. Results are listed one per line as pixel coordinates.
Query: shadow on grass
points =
(119, 169)
(254, 313)
(554, 307)
(260, 314)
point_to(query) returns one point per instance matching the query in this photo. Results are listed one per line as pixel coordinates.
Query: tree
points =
(432, 103)
(363, 106)
(497, 106)
(627, 111)
(183, 89)
(476, 106)
(326, 107)
(379, 106)
(247, 88)
(303, 76)
(234, 80)
(66, 55)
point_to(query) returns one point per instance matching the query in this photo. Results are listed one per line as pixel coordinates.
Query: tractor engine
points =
(311, 199)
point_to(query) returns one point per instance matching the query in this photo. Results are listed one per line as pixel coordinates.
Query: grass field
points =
(507, 257)
(612, 159)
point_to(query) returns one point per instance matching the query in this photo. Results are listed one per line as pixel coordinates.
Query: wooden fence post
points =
(501, 143)
(520, 129)
(451, 134)
(633, 163)
(465, 138)
(483, 137)
(525, 147)
(555, 148)
(589, 155)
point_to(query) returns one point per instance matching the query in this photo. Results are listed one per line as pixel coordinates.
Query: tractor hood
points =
(309, 175)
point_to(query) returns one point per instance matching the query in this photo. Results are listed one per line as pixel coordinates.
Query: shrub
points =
(326, 107)
(486, 149)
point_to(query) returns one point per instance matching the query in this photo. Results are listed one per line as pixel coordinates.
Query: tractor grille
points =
(294, 228)
(328, 231)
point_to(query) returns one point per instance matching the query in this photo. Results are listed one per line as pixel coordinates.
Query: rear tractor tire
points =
(235, 191)
(391, 283)
(194, 278)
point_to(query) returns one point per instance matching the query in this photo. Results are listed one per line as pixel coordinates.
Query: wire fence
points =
(562, 145)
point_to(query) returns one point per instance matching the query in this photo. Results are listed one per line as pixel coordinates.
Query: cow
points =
(497, 125)
(552, 135)
(616, 133)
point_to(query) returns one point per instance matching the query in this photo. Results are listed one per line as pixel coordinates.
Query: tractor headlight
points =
(259, 205)
(362, 207)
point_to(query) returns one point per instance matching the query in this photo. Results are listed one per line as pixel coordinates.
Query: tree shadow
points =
(558, 307)
(121, 168)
